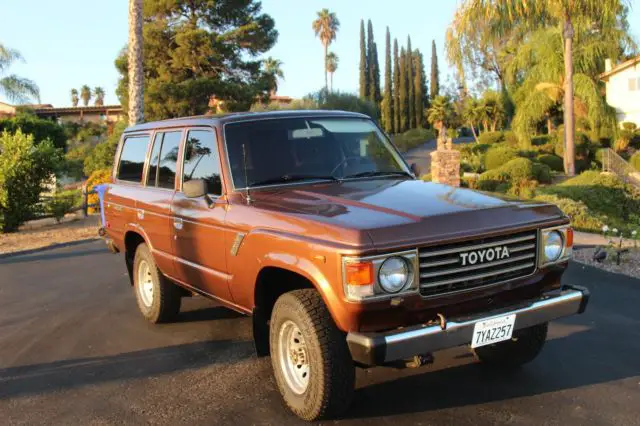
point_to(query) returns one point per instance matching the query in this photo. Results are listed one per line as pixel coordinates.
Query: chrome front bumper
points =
(380, 348)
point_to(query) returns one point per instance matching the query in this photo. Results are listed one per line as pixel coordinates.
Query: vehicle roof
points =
(222, 119)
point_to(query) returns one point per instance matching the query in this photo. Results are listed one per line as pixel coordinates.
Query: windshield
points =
(293, 149)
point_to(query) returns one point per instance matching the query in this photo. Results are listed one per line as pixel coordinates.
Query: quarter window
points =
(134, 151)
(201, 160)
(164, 158)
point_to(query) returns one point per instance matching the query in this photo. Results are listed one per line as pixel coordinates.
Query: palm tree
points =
(332, 65)
(273, 70)
(98, 92)
(472, 115)
(439, 115)
(136, 80)
(492, 110)
(326, 27)
(504, 15)
(539, 64)
(85, 94)
(15, 88)
(74, 97)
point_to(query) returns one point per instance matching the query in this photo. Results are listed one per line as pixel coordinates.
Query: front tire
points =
(311, 361)
(524, 347)
(158, 298)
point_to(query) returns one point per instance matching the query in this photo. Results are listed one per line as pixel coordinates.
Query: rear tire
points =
(524, 347)
(311, 361)
(158, 298)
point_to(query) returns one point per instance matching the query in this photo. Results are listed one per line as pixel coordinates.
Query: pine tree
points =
(435, 82)
(404, 92)
(396, 87)
(410, 100)
(387, 100)
(364, 64)
(418, 93)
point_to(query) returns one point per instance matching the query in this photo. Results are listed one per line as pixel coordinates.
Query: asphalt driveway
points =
(73, 350)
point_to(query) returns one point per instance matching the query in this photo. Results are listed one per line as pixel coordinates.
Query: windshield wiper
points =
(294, 178)
(380, 173)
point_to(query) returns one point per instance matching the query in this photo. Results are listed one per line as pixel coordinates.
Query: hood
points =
(397, 212)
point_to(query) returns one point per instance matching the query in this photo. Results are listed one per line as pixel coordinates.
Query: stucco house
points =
(623, 89)
(107, 114)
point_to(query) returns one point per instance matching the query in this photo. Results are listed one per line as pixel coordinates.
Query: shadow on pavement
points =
(565, 363)
(208, 314)
(68, 374)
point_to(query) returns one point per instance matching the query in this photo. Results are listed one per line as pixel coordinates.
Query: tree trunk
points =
(331, 82)
(549, 125)
(569, 144)
(136, 81)
(473, 132)
(326, 80)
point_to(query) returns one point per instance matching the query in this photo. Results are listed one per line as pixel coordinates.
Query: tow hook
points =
(419, 360)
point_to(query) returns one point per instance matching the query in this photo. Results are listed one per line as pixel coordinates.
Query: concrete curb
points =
(50, 247)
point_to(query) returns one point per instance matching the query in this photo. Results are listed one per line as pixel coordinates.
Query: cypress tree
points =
(418, 72)
(404, 92)
(410, 100)
(435, 83)
(364, 68)
(396, 87)
(377, 96)
(387, 100)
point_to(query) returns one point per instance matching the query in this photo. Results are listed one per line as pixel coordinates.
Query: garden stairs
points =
(613, 163)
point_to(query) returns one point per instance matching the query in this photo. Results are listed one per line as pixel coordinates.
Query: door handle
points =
(177, 223)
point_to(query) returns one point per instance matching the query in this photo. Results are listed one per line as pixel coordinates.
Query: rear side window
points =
(164, 158)
(201, 160)
(134, 151)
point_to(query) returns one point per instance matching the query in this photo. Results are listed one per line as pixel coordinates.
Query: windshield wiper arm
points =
(380, 173)
(293, 178)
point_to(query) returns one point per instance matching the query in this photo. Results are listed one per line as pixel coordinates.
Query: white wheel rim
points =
(293, 357)
(145, 283)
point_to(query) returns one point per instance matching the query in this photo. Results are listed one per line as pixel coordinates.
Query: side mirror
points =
(415, 169)
(194, 188)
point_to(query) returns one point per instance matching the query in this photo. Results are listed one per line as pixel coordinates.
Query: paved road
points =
(74, 351)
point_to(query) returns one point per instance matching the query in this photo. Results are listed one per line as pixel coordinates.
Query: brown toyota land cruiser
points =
(312, 222)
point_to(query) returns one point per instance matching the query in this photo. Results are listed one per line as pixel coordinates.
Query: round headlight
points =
(393, 274)
(552, 246)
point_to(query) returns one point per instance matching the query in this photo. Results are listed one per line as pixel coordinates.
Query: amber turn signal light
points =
(569, 236)
(358, 273)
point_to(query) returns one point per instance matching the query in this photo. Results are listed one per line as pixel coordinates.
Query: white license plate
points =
(494, 330)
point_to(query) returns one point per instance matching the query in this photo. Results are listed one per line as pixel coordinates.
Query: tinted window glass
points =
(152, 173)
(169, 160)
(201, 160)
(132, 158)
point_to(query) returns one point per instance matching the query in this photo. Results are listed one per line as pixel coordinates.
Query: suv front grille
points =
(452, 267)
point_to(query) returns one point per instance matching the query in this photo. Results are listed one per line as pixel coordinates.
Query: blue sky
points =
(68, 43)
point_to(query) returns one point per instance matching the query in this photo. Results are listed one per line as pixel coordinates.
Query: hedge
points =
(489, 180)
(554, 162)
(582, 218)
(497, 156)
(518, 169)
(542, 172)
(491, 138)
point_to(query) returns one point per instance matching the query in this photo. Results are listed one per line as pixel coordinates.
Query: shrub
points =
(605, 195)
(635, 161)
(547, 148)
(628, 125)
(540, 140)
(524, 188)
(63, 203)
(469, 182)
(426, 178)
(491, 138)
(102, 156)
(344, 102)
(622, 143)
(412, 138)
(497, 156)
(582, 219)
(25, 168)
(554, 162)
(489, 180)
(39, 128)
(542, 173)
(96, 178)
(518, 169)
(581, 139)
(511, 139)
